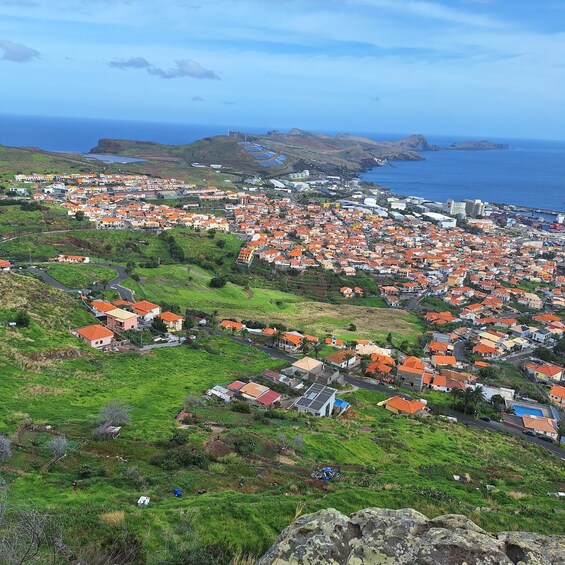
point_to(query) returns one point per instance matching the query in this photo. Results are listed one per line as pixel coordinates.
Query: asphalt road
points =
(121, 274)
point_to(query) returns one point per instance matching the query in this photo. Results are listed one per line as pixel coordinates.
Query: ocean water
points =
(529, 173)
(78, 135)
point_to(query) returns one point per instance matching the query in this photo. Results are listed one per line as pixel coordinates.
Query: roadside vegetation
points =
(80, 276)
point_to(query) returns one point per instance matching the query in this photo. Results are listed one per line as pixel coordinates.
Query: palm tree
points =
(278, 336)
(498, 402)
(466, 397)
(477, 397)
(317, 347)
(560, 431)
(456, 394)
(305, 345)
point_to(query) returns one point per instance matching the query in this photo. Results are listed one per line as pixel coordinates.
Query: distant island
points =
(476, 146)
(276, 153)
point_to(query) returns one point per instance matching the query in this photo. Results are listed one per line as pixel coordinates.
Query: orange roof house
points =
(557, 394)
(96, 335)
(443, 360)
(399, 405)
(102, 306)
(231, 325)
(147, 310)
(172, 321)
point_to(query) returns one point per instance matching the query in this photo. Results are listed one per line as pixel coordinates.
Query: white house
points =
(317, 400)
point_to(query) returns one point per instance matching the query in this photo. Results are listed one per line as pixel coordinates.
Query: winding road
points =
(121, 274)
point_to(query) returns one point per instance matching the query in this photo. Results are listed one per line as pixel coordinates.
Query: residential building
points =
(96, 335)
(146, 310)
(317, 400)
(399, 405)
(172, 321)
(121, 320)
(343, 358)
(557, 395)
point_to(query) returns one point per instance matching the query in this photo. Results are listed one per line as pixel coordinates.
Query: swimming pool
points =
(520, 410)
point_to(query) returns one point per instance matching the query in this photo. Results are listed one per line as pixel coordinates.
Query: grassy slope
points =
(14, 220)
(170, 283)
(387, 460)
(80, 276)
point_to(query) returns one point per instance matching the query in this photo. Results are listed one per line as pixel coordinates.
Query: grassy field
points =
(189, 289)
(80, 276)
(246, 497)
(15, 221)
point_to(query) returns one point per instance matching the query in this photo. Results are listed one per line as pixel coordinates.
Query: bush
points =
(246, 445)
(86, 470)
(22, 319)
(218, 282)
(5, 449)
(241, 407)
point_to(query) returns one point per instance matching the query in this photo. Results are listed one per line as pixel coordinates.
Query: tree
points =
(79, 216)
(22, 319)
(5, 449)
(158, 325)
(352, 328)
(487, 374)
(116, 413)
(58, 445)
(560, 430)
(467, 399)
(130, 266)
(456, 397)
(389, 338)
(317, 347)
(498, 402)
(217, 282)
(477, 397)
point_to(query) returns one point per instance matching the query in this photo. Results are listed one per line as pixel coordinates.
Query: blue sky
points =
(475, 67)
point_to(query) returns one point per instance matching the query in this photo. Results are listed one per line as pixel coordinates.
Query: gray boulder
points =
(379, 536)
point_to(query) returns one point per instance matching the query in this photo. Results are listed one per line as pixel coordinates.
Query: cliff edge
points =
(390, 537)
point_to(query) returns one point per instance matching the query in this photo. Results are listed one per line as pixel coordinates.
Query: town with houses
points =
(498, 275)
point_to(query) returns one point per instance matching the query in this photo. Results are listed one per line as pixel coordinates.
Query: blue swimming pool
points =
(526, 410)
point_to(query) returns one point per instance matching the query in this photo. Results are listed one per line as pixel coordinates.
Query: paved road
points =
(121, 274)
(48, 279)
(414, 303)
(459, 351)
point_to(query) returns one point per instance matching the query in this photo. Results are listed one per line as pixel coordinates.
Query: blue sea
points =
(530, 173)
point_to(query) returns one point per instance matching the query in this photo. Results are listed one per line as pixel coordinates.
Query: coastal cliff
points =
(277, 153)
(405, 537)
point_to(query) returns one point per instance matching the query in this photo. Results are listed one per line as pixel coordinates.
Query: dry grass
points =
(320, 318)
(40, 390)
(115, 518)
(516, 494)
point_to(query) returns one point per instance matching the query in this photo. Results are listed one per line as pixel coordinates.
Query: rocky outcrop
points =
(390, 537)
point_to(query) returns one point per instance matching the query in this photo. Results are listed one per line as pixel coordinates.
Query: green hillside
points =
(243, 475)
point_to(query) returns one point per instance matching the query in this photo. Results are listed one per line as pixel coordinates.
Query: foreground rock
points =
(389, 537)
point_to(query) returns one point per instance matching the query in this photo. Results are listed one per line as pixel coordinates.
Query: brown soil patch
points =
(215, 445)
(285, 460)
